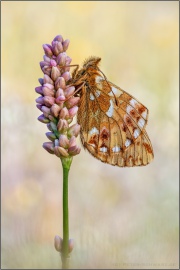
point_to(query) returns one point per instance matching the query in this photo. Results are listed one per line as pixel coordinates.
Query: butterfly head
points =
(91, 62)
(90, 67)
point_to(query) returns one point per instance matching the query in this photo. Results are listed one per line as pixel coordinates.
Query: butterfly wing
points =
(113, 125)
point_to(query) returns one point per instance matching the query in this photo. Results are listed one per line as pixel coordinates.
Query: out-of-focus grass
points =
(119, 218)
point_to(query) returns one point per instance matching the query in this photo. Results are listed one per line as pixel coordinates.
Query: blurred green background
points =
(119, 218)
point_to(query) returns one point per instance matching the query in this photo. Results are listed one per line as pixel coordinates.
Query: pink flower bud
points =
(60, 99)
(65, 127)
(56, 151)
(66, 75)
(69, 91)
(63, 141)
(53, 63)
(58, 38)
(49, 127)
(71, 245)
(58, 242)
(53, 126)
(47, 91)
(51, 136)
(39, 106)
(59, 92)
(41, 81)
(72, 141)
(39, 90)
(47, 79)
(52, 118)
(55, 109)
(40, 100)
(60, 83)
(74, 150)
(49, 146)
(64, 113)
(62, 125)
(71, 102)
(49, 101)
(66, 44)
(55, 73)
(57, 47)
(63, 152)
(74, 130)
(46, 59)
(47, 50)
(49, 85)
(43, 64)
(68, 60)
(60, 152)
(43, 119)
(73, 111)
(46, 70)
(61, 59)
(46, 111)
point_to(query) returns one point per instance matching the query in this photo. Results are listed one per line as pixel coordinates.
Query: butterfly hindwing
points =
(113, 125)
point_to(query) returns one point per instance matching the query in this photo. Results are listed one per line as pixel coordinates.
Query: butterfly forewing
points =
(113, 123)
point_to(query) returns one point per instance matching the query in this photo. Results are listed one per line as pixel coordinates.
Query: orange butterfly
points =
(112, 121)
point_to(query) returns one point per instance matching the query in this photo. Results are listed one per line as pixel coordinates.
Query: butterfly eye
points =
(83, 72)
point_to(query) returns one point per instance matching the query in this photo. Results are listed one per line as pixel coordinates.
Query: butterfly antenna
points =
(77, 90)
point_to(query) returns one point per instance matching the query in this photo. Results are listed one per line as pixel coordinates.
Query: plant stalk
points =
(66, 163)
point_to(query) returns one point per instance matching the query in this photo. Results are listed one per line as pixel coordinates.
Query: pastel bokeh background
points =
(119, 218)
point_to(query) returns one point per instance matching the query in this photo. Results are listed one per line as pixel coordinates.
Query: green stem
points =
(66, 163)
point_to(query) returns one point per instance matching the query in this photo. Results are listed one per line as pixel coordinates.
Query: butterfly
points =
(112, 121)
